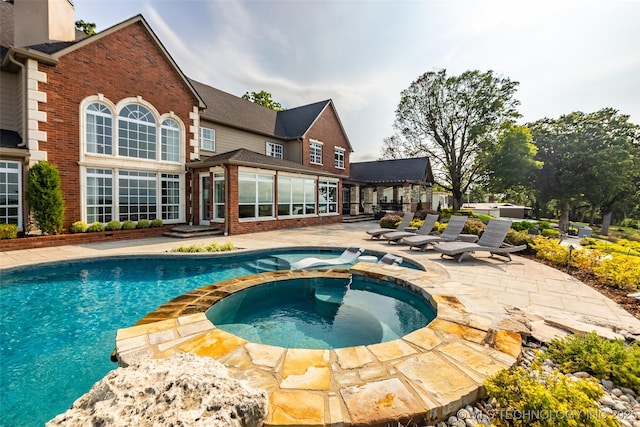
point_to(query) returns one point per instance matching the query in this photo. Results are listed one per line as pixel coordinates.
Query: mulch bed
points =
(630, 304)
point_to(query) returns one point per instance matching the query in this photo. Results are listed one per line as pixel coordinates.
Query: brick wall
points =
(126, 63)
(328, 130)
(81, 238)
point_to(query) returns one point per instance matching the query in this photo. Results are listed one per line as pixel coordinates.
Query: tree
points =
(591, 157)
(263, 98)
(451, 119)
(89, 28)
(44, 196)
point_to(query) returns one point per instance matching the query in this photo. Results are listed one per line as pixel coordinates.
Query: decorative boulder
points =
(183, 389)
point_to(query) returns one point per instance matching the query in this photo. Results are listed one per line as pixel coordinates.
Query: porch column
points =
(396, 194)
(379, 196)
(354, 205)
(406, 198)
(367, 200)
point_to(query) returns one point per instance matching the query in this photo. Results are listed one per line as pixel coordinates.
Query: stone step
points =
(190, 231)
(357, 218)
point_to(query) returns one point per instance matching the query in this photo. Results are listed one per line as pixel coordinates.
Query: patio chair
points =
(492, 241)
(378, 232)
(347, 257)
(424, 230)
(391, 259)
(451, 233)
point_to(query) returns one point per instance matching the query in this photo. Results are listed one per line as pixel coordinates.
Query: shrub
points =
(631, 223)
(518, 238)
(620, 271)
(95, 227)
(390, 221)
(521, 225)
(8, 231)
(550, 250)
(473, 226)
(44, 196)
(604, 359)
(190, 249)
(215, 247)
(155, 223)
(622, 246)
(128, 225)
(550, 232)
(79, 227)
(113, 225)
(534, 398)
(143, 223)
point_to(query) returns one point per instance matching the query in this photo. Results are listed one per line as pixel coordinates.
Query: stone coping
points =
(423, 377)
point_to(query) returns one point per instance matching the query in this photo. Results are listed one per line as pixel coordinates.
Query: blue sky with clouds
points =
(567, 55)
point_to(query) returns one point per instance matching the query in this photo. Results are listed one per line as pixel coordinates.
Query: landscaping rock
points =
(183, 389)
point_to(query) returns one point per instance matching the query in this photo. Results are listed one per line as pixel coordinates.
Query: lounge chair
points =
(451, 233)
(492, 241)
(377, 232)
(424, 230)
(347, 257)
(391, 259)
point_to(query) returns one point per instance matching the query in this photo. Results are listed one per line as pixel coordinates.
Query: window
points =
(275, 150)
(255, 195)
(170, 204)
(10, 193)
(99, 129)
(328, 195)
(137, 195)
(296, 196)
(137, 132)
(99, 197)
(207, 139)
(339, 157)
(170, 140)
(316, 152)
(218, 195)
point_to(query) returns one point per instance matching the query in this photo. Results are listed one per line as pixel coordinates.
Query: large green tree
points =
(263, 98)
(450, 119)
(588, 156)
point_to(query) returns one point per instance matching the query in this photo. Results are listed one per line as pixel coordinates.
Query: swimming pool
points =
(59, 321)
(322, 313)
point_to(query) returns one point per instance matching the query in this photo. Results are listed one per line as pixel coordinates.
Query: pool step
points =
(330, 295)
(269, 264)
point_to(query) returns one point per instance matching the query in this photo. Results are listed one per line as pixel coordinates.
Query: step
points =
(191, 234)
(357, 218)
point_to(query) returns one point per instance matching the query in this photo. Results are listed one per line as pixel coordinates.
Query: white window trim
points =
(337, 202)
(116, 189)
(314, 145)
(305, 180)
(213, 131)
(20, 191)
(257, 172)
(269, 152)
(343, 151)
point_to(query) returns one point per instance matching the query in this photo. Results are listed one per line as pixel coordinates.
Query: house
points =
(134, 138)
(499, 210)
(389, 185)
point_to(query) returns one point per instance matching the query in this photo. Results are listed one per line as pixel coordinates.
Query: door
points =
(346, 200)
(205, 199)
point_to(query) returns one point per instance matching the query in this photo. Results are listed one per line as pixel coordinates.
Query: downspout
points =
(25, 137)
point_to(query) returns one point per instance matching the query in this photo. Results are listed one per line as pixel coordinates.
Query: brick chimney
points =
(43, 21)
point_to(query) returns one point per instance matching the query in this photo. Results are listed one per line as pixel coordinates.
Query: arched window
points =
(137, 132)
(99, 129)
(170, 140)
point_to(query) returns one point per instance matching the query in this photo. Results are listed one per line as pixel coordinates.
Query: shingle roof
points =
(246, 157)
(295, 122)
(228, 109)
(240, 113)
(397, 171)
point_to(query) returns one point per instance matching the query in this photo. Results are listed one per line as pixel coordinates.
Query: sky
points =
(566, 55)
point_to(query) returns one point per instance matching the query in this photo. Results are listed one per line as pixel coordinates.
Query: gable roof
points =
(244, 157)
(415, 170)
(51, 52)
(240, 113)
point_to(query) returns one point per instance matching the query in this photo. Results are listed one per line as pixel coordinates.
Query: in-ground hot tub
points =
(322, 312)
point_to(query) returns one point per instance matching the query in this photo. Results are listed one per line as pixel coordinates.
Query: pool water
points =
(58, 322)
(322, 313)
